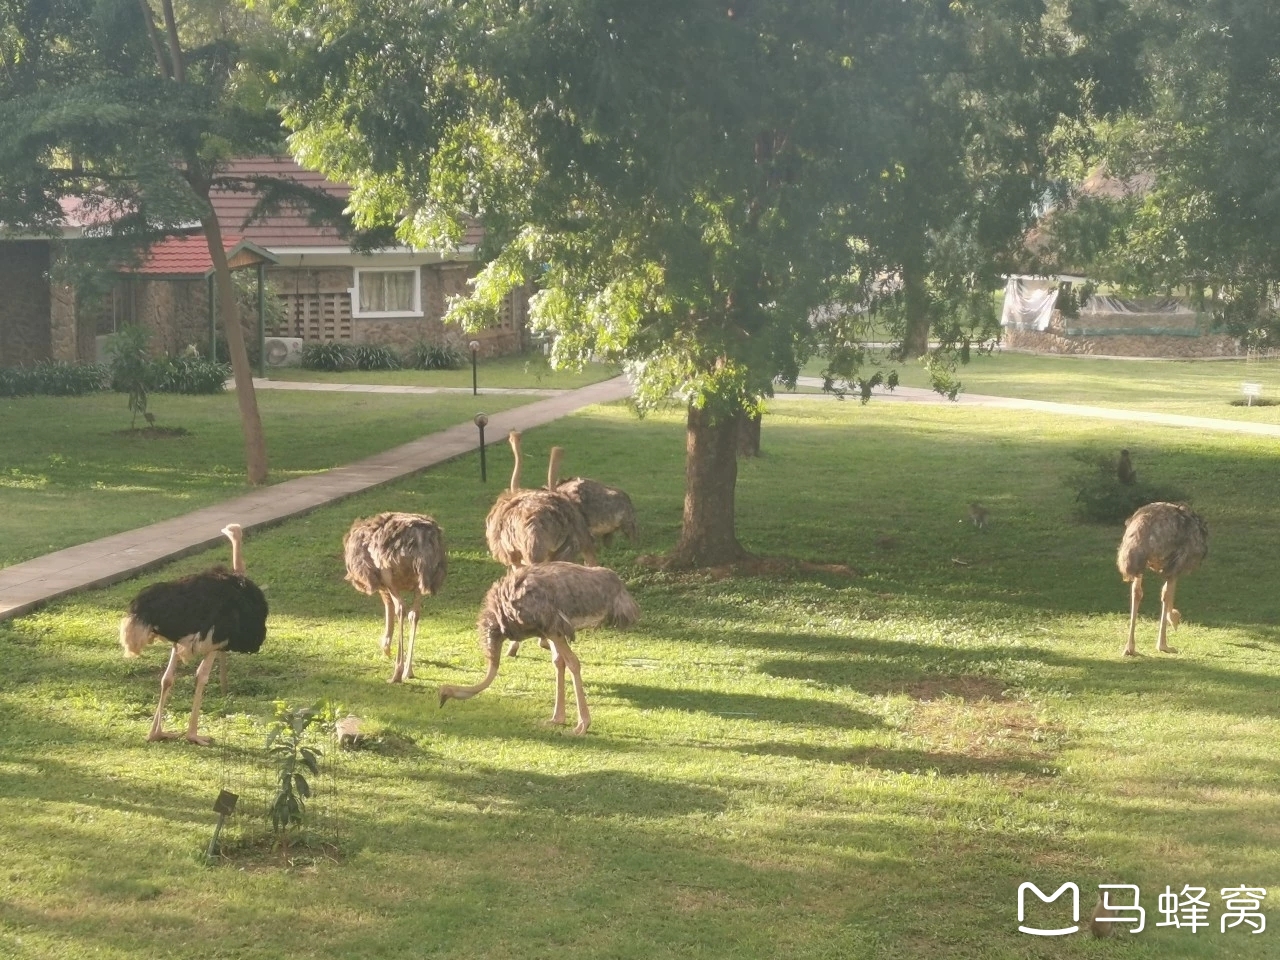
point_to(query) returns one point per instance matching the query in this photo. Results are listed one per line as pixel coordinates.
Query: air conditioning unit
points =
(283, 351)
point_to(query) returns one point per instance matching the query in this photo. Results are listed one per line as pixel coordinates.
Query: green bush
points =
(370, 356)
(1102, 498)
(131, 367)
(327, 355)
(53, 379)
(431, 356)
(191, 375)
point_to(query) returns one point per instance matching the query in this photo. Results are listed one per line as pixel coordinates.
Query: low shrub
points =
(432, 356)
(329, 355)
(53, 379)
(371, 356)
(190, 375)
(1102, 498)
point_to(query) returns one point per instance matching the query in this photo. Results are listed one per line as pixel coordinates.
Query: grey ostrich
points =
(534, 526)
(606, 509)
(550, 601)
(391, 554)
(1170, 539)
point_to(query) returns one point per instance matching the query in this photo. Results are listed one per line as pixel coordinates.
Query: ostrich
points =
(1170, 539)
(388, 555)
(550, 601)
(204, 615)
(534, 526)
(606, 509)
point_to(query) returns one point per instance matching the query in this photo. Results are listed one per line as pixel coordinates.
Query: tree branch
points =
(154, 36)
(175, 45)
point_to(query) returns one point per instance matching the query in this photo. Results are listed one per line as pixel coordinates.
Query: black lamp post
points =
(480, 421)
(475, 347)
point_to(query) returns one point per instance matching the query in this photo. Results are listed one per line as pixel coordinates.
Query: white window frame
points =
(357, 313)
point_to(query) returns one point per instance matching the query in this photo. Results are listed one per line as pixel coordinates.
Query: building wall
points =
(25, 302)
(1164, 346)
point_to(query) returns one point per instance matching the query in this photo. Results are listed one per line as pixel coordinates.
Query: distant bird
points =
(391, 554)
(202, 615)
(550, 601)
(606, 509)
(525, 527)
(1124, 470)
(978, 515)
(1170, 539)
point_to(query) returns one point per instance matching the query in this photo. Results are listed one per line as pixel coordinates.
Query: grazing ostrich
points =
(204, 615)
(1170, 539)
(550, 601)
(606, 509)
(389, 554)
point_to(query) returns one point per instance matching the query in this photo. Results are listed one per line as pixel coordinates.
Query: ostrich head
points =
(491, 642)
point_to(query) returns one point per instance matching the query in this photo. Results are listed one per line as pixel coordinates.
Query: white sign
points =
(1251, 390)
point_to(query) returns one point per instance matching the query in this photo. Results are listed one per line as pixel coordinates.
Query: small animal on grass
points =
(392, 554)
(551, 601)
(203, 615)
(1171, 540)
(1124, 470)
(978, 515)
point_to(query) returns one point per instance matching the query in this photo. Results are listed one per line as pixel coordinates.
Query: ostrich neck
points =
(515, 472)
(553, 468)
(237, 558)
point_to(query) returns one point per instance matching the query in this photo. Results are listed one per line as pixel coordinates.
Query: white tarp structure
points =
(1028, 303)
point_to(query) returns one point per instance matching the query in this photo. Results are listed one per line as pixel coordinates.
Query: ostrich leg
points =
(579, 694)
(202, 677)
(166, 684)
(407, 673)
(397, 672)
(1167, 614)
(222, 672)
(1134, 603)
(513, 648)
(388, 625)
(557, 713)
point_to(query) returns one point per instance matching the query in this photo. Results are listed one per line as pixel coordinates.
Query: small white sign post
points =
(1251, 390)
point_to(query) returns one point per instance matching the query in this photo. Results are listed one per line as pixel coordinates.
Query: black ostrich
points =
(203, 615)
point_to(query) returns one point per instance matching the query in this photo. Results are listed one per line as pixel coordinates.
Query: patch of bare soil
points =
(153, 433)
(769, 567)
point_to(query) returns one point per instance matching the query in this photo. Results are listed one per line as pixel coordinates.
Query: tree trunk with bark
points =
(749, 436)
(708, 536)
(915, 340)
(255, 444)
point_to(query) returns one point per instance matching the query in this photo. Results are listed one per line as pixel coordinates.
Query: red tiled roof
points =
(188, 256)
(289, 227)
(81, 213)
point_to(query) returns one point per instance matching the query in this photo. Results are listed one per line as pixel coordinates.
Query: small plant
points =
(1102, 498)
(432, 356)
(292, 756)
(371, 356)
(131, 368)
(327, 355)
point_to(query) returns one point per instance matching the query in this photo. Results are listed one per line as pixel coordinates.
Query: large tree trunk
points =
(255, 445)
(708, 536)
(915, 340)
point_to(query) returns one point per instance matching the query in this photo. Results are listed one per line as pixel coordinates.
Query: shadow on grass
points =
(905, 761)
(733, 706)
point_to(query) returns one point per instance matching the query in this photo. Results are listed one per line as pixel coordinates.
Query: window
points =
(387, 293)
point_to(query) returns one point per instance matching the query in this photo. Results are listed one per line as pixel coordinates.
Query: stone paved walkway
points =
(25, 586)
(922, 395)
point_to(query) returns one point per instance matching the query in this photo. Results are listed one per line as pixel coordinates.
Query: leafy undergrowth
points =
(790, 761)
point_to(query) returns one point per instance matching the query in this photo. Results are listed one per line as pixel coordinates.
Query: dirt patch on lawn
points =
(153, 433)
(768, 567)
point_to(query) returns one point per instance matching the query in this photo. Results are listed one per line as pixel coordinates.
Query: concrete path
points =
(921, 395)
(25, 586)
(389, 388)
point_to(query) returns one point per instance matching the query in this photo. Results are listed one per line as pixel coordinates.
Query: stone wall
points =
(1166, 346)
(25, 302)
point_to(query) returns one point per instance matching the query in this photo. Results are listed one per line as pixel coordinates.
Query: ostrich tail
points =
(134, 636)
(624, 611)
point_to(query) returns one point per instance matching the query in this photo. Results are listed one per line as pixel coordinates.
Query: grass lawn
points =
(527, 371)
(810, 764)
(1201, 388)
(67, 475)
